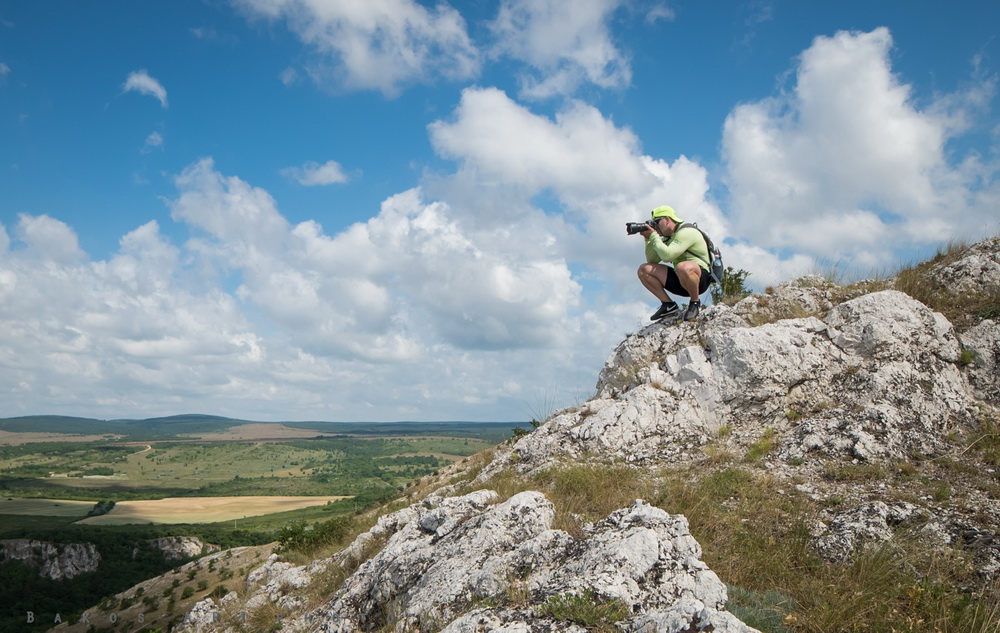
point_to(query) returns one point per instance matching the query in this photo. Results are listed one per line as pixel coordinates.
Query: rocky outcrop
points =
(59, 561)
(52, 560)
(481, 566)
(876, 523)
(876, 377)
(976, 269)
(181, 547)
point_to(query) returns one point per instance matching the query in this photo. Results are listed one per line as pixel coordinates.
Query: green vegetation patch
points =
(316, 467)
(587, 609)
(46, 507)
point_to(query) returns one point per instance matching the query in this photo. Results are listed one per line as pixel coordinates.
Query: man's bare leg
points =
(689, 274)
(654, 278)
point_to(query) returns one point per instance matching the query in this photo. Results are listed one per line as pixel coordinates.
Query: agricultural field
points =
(219, 460)
(45, 507)
(202, 509)
(337, 466)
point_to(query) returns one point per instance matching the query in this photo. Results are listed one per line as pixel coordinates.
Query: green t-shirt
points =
(686, 244)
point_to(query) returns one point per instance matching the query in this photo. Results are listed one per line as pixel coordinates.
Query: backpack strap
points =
(708, 242)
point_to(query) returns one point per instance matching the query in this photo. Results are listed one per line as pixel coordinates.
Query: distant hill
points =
(153, 428)
(175, 426)
(59, 424)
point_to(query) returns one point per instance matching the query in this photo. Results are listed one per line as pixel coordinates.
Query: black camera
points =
(637, 227)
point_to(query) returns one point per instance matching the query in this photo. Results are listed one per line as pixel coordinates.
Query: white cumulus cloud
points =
(313, 174)
(153, 141)
(565, 43)
(140, 81)
(377, 45)
(847, 162)
(508, 154)
(580, 151)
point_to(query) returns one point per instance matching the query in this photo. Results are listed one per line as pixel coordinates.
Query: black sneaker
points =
(666, 309)
(692, 311)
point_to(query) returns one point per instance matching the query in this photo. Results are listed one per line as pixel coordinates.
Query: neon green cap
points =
(666, 212)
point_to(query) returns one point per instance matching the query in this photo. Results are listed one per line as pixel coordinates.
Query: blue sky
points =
(400, 210)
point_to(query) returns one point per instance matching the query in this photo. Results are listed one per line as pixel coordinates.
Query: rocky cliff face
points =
(58, 561)
(52, 560)
(807, 377)
(181, 547)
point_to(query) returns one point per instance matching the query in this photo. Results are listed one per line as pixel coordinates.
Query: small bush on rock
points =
(586, 609)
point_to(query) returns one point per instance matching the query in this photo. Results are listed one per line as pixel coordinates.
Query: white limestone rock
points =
(56, 561)
(877, 377)
(976, 269)
(180, 547)
(983, 341)
(445, 554)
(426, 574)
(202, 617)
(687, 616)
(865, 525)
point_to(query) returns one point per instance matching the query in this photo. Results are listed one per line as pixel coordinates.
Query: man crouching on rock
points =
(686, 251)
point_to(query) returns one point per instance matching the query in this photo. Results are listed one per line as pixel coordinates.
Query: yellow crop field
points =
(46, 507)
(201, 509)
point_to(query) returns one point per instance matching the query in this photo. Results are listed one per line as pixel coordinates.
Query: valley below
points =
(120, 495)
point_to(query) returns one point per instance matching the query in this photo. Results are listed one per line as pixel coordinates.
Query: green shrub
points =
(763, 446)
(733, 287)
(303, 538)
(586, 609)
(966, 357)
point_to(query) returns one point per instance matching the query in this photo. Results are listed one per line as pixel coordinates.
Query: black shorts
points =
(673, 285)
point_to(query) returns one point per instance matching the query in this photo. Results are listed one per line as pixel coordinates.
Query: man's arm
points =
(652, 255)
(668, 251)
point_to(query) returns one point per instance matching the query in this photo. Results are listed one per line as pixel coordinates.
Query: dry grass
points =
(772, 310)
(331, 579)
(587, 609)
(963, 309)
(758, 540)
(589, 492)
